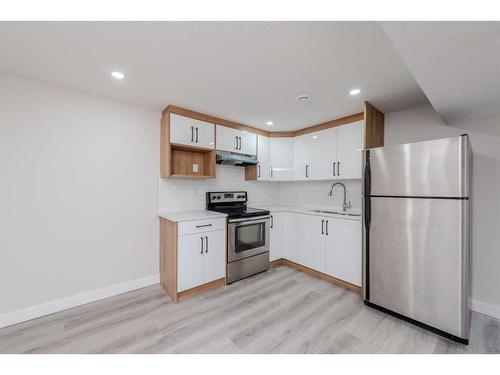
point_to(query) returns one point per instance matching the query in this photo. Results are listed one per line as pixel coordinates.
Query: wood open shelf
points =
(184, 157)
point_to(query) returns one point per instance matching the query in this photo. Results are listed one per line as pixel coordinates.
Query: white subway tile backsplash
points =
(185, 194)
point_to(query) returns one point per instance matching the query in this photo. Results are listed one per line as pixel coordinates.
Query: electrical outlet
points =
(195, 168)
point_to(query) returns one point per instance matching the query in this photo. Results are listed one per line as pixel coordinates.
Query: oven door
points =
(247, 237)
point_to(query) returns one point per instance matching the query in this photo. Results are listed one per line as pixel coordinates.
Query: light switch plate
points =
(195, 168)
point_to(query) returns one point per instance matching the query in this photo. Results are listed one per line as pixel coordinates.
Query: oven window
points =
(249, 236)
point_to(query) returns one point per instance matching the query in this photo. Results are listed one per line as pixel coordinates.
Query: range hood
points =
(232, 158)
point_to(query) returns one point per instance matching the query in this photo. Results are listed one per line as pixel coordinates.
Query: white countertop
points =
(179, 216)
(309, 211)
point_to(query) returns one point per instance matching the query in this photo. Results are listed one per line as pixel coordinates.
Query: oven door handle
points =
(257, 218)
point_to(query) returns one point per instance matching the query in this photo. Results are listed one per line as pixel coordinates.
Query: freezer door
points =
(418, 260)
(438, 168)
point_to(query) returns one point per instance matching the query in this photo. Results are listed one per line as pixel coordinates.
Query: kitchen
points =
(262, 220)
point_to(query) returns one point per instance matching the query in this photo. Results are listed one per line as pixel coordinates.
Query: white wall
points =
(315, 193)
(78, 198)
(189, 194)
(423, 123)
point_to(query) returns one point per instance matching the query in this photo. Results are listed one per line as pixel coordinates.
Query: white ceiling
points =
(457, 65)
(249, 72)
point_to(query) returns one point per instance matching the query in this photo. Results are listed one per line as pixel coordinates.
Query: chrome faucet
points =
(345, 206)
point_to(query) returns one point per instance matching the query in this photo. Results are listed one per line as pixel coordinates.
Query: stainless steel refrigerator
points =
(417, 233)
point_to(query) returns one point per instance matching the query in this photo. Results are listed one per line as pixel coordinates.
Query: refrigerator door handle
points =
(367, 175)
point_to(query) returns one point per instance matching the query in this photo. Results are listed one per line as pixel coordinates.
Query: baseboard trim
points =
(319, 275)
(201, 288)
(486, 309)
(51, 307)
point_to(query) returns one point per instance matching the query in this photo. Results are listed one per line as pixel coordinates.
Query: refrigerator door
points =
(416, 256)
(437, 168)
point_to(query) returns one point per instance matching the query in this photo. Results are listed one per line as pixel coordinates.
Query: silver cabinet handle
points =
(204, 225)
(271, 171)
(192, 134)
(307, 170)
(322, 227)
(338, 168)
(334, 168)
(236, 147)
(201, 238)
(327, 227)
(239, 148)
(206, 248)
(258, 169)
(196, 134)
(272, 221)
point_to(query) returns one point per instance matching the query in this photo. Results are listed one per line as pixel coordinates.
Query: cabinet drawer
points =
(199, 226)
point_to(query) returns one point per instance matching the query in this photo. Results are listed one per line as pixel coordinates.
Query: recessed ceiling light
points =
(315, 137)
(354, 91)
(117, 75)
(269, 123)
(304, 98)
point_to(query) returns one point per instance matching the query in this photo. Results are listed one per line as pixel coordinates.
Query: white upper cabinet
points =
(350, 144)
(234, 140)
(301, 167)
(264, 158)
(329, 154)
(282, 151)
(191, 132)
(323, 153)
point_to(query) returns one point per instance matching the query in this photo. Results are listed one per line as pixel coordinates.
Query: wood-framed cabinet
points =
(191, 132)
(327, 151)
(234, 140)
(187, 147)
(192, 256)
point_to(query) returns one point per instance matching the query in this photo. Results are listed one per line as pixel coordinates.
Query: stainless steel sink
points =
(336, 212)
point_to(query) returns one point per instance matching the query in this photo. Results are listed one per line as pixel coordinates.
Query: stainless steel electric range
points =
(247, 234)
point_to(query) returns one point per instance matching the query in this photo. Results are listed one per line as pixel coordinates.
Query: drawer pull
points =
(204, 225)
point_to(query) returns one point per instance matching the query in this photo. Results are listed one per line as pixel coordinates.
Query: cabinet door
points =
(248, 143)
(205, 134)
(264, 158)
(323, 154)
(191, 132)
(214, 256)
(310, 241)
(282, 150)
(227, 139)
(189, 261)
(349, 157)
(290, 229)
(301, 167)
(276, 233)
(343, 250)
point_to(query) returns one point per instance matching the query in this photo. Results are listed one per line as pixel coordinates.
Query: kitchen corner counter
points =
(180, 216)
(309, 211)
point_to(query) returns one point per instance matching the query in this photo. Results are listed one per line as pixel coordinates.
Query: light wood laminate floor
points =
(279, 311)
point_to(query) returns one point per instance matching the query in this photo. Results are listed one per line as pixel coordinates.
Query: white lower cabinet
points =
(343, 250)
(201, 259)
(192, 253)
(290, 247)
(325, 244)
(276, 248)
(190, 262)
(310, 241)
